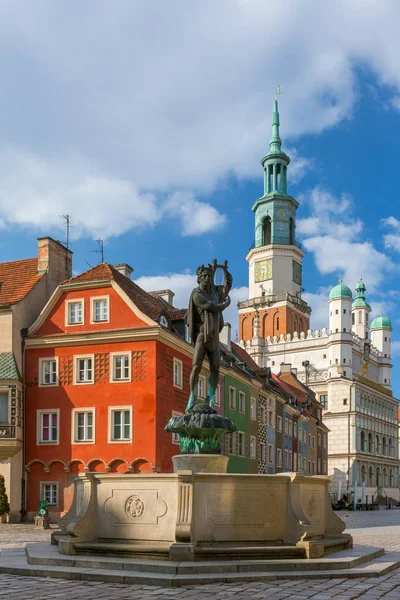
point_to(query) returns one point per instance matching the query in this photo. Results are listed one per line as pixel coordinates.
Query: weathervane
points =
(278, 90)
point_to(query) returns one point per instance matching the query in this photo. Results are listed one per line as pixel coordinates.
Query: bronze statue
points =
(205, 321)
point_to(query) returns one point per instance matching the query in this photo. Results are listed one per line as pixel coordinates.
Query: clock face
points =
(280, 214)
(297, 272)
(263, 270)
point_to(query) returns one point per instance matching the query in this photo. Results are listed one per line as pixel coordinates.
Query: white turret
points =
(340, 336)
(361, 310)
(381, 334)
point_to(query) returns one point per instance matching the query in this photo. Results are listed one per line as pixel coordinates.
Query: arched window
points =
(370, 443)
(277, 323)
(378, 445)
(359, 316)
(378, 479)
(291, 231)
(353, 318)
(391, 478)
(363, 441)
(385, 478)
(363, 474)
(390, 447)
(371, 476)
(267, 231)
(384, 444)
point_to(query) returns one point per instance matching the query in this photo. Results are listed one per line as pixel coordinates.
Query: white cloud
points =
(319, 303)
(196, 217)
(392, 240)
(183, 283)
(180, 99)
(43, 190)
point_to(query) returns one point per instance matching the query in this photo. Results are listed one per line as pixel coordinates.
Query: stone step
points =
(159, 550)
(17, 564)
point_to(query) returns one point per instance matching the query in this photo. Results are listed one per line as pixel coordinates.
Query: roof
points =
(243, 356)
(177, 314)
(8, 367)
(145, 302)
(381, 322)
(340, 291)
(17, 278)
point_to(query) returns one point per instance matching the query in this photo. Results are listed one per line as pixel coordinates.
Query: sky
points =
(146, 121)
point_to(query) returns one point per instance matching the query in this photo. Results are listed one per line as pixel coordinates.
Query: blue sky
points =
(146, 122)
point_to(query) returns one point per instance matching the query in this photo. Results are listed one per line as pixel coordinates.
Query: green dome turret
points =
(360, 301)
(381, 322)
(340, 291)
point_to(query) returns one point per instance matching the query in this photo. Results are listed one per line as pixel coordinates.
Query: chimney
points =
(286, 368)
(225, 336)
(55, 260)
(166, 295)
(124, 269)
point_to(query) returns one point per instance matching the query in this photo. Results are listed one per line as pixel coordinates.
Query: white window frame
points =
(41, 378)
(270, 454)
(39, 440)
(177, 363)
(232, 443)
(253, 408)
(263, 454)
(241, 436)
(242, 401)
(78, 357)
(286, 459)
(263, 413)
(290, 428)
(319, 466)
(253, 446)
(67, 305)
(233, 405)
(7, 391)
(271, 419)
(290, 465)
(111, 410)
(93, 300)
(279, 457)
(42, 494)
(176, 438)
(279, 423)
(295, 461)
(202, 384)
(113, 356)
(75, 411)
(218, 395)
(286, 426)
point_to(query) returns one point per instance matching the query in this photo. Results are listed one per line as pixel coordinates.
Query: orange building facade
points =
(105, 370)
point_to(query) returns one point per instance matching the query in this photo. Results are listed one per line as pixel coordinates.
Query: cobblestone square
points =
(381, 528)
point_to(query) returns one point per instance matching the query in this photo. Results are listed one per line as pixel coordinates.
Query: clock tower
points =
(275, 259)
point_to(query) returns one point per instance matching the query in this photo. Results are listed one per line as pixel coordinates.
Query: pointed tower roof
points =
(275, 143)
(360, 301)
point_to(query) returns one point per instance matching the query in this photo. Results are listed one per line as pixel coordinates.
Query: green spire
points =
(360, 301)
(275, 144)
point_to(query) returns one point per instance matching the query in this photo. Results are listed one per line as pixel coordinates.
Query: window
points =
(48, 371)
(305, 465)
(121, 367)
(290, 460)
(279, 457)
(262, 415)
(305, 437)
(345, 375)
(336, 312)
(319, 465)
(344, 361)
(344, 330)
(178, 369)
(84, 369)
(286, 426)
(344, 311)
(242, 402)
(273, 363)
(231, 443)
(324, 356)
(252, 446)
(336, 361)
(176, 438)
(74, 310)
(270, 453)
(270, 418)
(99, 310)
(299, 463)
(323, 398)
(353, 318)
(3, 407)
(120, 424)
(218, 396)
(201, 388)
(232, 398)
(309, 467)
(344, 400)
(310, 440)
(262, 452)
(49, 492)
(241, 443)
(336, 330)
(279, 423)
(313, 467)
(290, 427)
(83, 420)
(319, 440)
(385, 339)
(324, 438)
(286, 459)
(295, 429)
(48, 426)
(313, 441)
(253, 409)
(325, 467)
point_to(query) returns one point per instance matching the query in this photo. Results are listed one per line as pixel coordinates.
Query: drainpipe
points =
(24, 333)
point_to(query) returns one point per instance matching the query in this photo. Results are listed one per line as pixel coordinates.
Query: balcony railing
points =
(266, 300)
(280, 241)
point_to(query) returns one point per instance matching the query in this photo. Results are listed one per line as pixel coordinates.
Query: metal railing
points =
(266, 300)
(280, 241)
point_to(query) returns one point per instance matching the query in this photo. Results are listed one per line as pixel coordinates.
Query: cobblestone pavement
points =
(380, 528)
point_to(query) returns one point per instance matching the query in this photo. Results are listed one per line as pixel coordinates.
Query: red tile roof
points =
(177, 314)
(243, 356)
(17, 278)
(145, 302)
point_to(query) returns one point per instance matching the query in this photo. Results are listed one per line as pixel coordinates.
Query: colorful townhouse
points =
(25, 286)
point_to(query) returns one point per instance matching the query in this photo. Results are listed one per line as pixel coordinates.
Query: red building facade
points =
(105, 370)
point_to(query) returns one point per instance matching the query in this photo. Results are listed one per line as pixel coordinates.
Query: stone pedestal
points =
(42, 522)
(200, 463)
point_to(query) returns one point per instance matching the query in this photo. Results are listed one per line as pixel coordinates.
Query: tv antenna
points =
(100, 250)
(67, 226)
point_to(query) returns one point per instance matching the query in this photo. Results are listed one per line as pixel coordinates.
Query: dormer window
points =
(164, 321)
